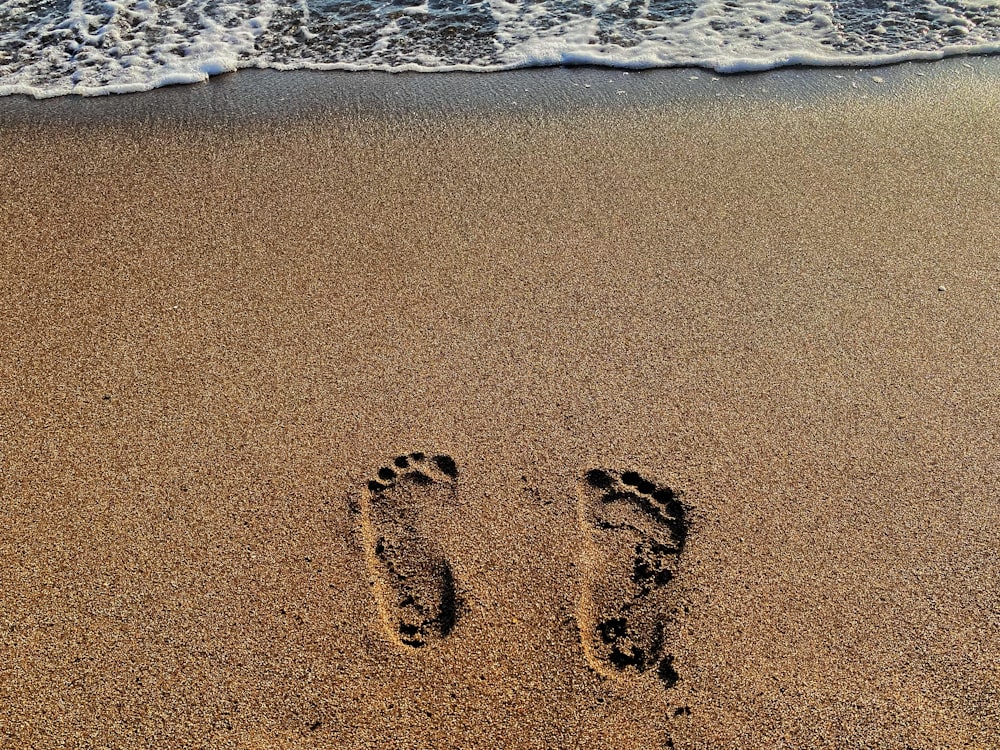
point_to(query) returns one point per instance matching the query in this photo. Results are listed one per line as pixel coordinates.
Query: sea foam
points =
(91, 47)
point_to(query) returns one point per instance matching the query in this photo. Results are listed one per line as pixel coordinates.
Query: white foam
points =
(117, 46)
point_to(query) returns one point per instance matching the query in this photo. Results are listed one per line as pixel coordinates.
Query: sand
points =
(214, 331)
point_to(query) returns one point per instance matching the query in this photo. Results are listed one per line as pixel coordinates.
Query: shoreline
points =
(252, 95)
(221, 319)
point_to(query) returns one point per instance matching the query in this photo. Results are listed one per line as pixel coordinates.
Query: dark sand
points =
(216, 326)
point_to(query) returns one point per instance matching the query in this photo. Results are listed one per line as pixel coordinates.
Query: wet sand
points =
(215, 330)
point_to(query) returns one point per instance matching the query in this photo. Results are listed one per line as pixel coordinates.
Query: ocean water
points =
(89, 47)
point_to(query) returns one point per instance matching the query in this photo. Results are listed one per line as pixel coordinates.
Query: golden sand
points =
(211, 339)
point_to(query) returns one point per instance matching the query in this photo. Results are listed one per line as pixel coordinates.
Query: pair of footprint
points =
(635, 534)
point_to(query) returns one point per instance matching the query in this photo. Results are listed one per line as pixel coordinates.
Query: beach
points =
(222, 314)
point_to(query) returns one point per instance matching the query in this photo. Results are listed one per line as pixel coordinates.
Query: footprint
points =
(636, 532)
(413, 580)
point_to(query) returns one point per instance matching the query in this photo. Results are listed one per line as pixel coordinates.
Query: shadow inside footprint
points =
(414, 582)
(637, 531)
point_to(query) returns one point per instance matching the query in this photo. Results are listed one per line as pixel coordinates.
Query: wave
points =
(93, 47)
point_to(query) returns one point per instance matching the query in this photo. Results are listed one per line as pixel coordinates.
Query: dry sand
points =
(212, 337)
